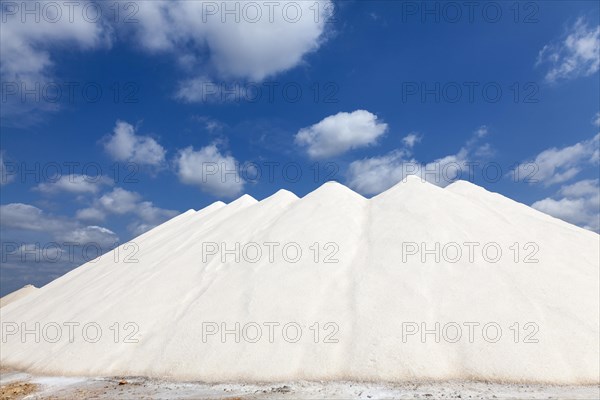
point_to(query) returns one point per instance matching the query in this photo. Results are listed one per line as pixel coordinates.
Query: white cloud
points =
(578, 204)
(371, 176)
(123, 202)
(582, 188)
(340, 133)
(90, 214)
(211, 125)
(210, 170)
(26, 46)
(30, 218)
(558, 165)
(202, 37)
(39, 247)
(103, 237)
(26, 43)
(125, 145)
(5, 176)
(481, 132)
(577, 54)
(203, 89)
(33, 251)
(119, 201)
(374, 175)
(411, 139)
(78, 184)
(253, 47)
(596, 120)
(150, 217)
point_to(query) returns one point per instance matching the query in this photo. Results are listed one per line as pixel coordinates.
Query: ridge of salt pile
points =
(408, 285)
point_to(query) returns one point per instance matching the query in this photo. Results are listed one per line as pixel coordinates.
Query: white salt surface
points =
(17, 294)
(547, 311)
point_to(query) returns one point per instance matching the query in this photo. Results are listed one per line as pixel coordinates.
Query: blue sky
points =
(124, 121)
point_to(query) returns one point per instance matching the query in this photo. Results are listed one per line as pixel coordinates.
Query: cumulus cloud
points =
(119, 201)
(340, 133)
(233, 40)
(28, 39)
(90, 214)
(75, 183)
(123, 202)
(26, 217)
(578, 203)
(103, 237)
(582, 188)
(371, 176)
(374, 175)
(596, 120)
(35, 252)
(210, 170)
(39, 246)
(149, 217)
(559, 165)
(27, 46)
(225, 40)
(575, 55)
(125, 145)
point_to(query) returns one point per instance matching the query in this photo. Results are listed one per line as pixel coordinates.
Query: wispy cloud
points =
(576, 54)
(578, 203)
(559, 165)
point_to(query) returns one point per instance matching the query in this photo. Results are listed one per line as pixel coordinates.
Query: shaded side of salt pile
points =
(388, 306)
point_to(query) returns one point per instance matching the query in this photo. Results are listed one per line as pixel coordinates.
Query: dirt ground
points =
(17, 390)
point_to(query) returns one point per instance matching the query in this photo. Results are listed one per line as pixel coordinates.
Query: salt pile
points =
(394, 307)
(17, 294)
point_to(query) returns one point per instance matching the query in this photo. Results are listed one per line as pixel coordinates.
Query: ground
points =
(17, 385)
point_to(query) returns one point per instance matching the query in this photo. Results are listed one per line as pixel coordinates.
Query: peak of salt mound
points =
(411, 185)
(210, 208)
(240, 203)
(281, 195)
(243, 200)
(333, 191)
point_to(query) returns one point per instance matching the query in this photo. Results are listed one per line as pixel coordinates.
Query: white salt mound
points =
(17, 294)
(518, 321)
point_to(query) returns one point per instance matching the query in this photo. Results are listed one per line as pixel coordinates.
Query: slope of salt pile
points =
(17, 294)
(361, 291)
(552, 284)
